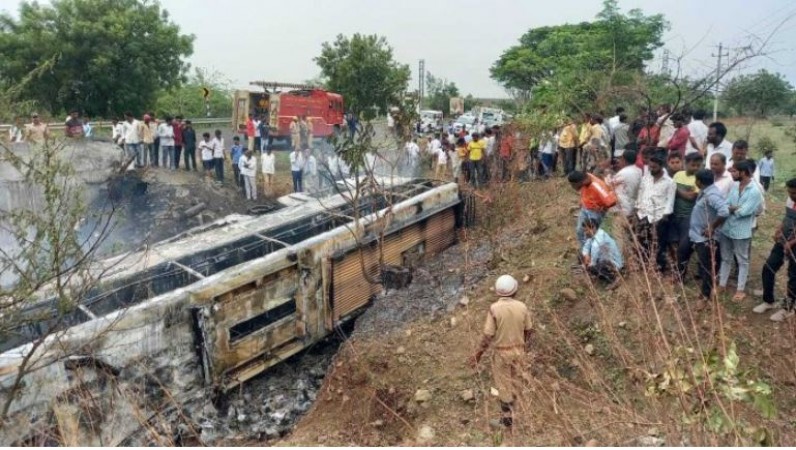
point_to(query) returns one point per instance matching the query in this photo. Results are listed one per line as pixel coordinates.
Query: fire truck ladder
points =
(274, 85)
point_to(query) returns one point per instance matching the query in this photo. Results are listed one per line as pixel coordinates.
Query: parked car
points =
(464, 122)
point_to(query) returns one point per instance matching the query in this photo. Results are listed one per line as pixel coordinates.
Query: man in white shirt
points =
(412, 153)
(166, 135)
(310, 169)
(613, 122)
(699, 133)
(247, 164)
(721, 176)
(765, 169)
(654, 204)
(666, 125)
(257, 134)
(219, 155)
(716, 142)
(547, 148)
(626, 183)
(296, 169)
(131, 139)
(269, 169)
(117, 132)
(432, 149)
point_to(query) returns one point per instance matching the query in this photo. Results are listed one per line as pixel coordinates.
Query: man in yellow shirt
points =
(568, 145)
(476, 149)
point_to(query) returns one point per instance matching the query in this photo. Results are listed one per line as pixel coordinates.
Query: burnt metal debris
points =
(215, 308)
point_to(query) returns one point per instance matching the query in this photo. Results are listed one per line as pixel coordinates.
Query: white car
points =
(463, 123)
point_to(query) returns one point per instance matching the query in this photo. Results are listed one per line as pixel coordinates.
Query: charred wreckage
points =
(209, 309)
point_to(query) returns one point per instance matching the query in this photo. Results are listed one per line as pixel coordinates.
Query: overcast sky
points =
(249, 40)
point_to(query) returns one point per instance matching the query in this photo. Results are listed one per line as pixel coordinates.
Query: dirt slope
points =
(604, 369)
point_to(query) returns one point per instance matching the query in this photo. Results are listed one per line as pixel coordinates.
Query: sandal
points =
(739, 296)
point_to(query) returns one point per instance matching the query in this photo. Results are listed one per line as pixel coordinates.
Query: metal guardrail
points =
(107, 123)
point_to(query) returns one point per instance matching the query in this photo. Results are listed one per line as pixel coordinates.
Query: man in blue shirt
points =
(710, 212)
(600, 254)
(735, 237)
(236, 152)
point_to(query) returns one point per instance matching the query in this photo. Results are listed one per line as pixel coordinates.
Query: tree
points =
(579, 57)
(759, 94)
(109, 56)
(439, 93)
(363, 70)
(187, 99)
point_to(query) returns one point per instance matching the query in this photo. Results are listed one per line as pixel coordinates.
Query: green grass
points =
(785, 156)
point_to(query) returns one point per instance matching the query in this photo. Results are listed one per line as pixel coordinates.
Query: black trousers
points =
(708, 265)
(652, 242)
(774, 262)
(190, 157)
(177, 153)
(766, 182)
(684, 247)
(570, 155)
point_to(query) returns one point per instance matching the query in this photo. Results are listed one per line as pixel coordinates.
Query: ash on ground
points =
(264, 408)
(438, 284)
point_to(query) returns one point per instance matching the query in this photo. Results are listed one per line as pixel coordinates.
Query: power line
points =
(719, 55)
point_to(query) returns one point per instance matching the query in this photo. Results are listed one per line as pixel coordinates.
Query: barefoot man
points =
(508, 328)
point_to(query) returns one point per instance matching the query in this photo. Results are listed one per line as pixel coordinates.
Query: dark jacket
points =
(189, 137)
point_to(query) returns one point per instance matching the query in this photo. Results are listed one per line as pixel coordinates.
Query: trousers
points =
(250, 187)
(507, 373)
(733, 250)
(774, 262)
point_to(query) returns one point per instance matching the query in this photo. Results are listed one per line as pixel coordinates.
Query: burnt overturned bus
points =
(211, 308)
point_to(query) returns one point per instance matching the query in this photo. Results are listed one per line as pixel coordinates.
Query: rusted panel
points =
(351, 289)
(439, 232)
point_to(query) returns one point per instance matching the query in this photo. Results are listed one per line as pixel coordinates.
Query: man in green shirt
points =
(684, 201)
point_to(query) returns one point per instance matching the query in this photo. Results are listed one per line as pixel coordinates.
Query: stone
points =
(653, 432)
(464, 301)
(400, 350)
(494, 392)
(569, 294)
(622, 324)
(589, 349)
(526, 278)
(757, 292)
(467, 395)
(494, 423)
(378, 424)
(453, 321)
(650, 441)
(592, 443)
(422, 395)
(425, 434)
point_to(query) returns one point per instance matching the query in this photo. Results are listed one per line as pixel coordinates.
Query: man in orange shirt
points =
(596, 198)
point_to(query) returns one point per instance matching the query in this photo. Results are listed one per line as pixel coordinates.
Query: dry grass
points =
(570, 397)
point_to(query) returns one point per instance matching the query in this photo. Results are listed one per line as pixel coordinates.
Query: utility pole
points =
(718, 81)
(421, 79)
(665, 63)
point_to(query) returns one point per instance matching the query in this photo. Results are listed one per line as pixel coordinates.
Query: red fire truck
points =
(323, 108)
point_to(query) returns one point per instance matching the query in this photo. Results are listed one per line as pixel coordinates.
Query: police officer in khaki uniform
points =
(508, 329)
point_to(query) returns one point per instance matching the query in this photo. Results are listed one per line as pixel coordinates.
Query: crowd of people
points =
(172, 141)
(675, 187)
